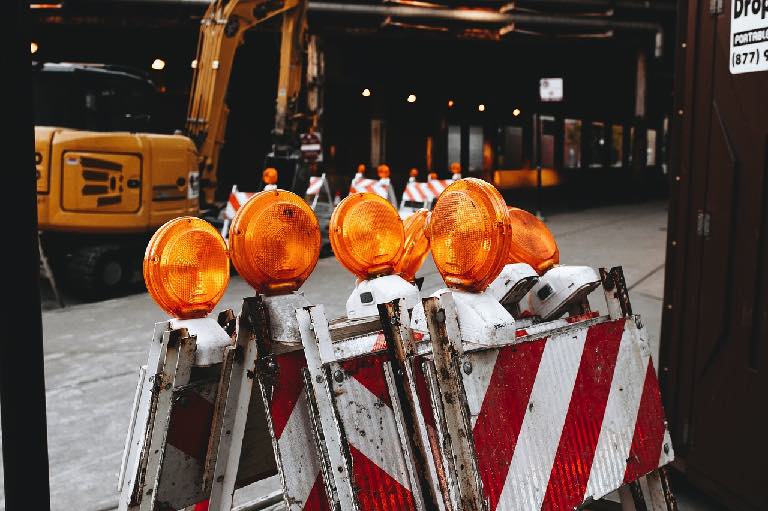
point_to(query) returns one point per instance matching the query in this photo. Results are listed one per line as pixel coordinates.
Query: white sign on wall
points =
(749, 36)
(551, 89)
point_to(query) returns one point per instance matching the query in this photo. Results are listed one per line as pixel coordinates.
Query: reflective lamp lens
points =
(469, 230)
(366, 234)
(383, 171)
(416, 245)
(275, 241)
(532, 241)
(186, 267)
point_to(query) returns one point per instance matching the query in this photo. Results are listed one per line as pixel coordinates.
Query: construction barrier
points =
(381, 187)
(318, 184)
(417, 195)
(234, 203)
(551, 419)
(369, 413)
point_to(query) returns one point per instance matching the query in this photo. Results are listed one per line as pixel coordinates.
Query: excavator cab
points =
(105, 179)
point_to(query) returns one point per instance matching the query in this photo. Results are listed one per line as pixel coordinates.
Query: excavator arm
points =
(222, 31)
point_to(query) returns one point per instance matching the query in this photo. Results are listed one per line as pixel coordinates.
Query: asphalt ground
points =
(93, 351)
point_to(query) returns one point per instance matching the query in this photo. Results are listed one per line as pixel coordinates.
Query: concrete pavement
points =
(93, 351)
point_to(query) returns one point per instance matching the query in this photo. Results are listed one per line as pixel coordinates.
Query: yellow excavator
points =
(104, 184)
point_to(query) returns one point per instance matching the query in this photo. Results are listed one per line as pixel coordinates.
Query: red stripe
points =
(233, 201)
(423, 394)
(502, 412)
(317, 501)
(573, 460)
(649, 430)
(377, 490)
(288, 387)
(369, 372)
(190, 425)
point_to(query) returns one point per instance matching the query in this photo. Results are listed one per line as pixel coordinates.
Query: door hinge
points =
(702, 224)
(715, 7)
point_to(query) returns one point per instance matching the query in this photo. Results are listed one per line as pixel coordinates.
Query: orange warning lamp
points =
(455, 168)
(469, 234)
(383, 171)
(366, 235)
(186, 267)
(269, 176)
(414, 172)
(275, 241)
(532, 242)
(416, 245)
(361, 169)
(432, 176)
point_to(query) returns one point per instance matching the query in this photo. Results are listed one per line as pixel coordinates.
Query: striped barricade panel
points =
(370, 186)
(286, 399)
(561, 416)
(236, 200)
(418, 192)
(436, 186)
(368, 447)
(364, 401)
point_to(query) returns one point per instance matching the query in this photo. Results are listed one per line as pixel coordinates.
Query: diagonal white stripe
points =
(476, 383)
(297, 449)
(528, 476)
(615, 440)
(370, 427)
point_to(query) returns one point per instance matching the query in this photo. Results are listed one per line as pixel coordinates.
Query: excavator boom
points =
(222, 31)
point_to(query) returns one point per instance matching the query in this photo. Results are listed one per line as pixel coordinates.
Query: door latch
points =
(702, 224)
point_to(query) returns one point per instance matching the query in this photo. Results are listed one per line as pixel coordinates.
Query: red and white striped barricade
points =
(317, 185)
(418, 195)
(565, 412)
(362, 402)
(381, 187)
(177, 433)
(280, 367)
(236, 200)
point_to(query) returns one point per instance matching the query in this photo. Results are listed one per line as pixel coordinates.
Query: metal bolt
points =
(684, 45)
(271, 365)
(677, 178)
(669, 306)
(338, 375)
(674, 243)
(467, 366)
(666, 448)
(319, 379)
(680, 112)
(638, 322)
